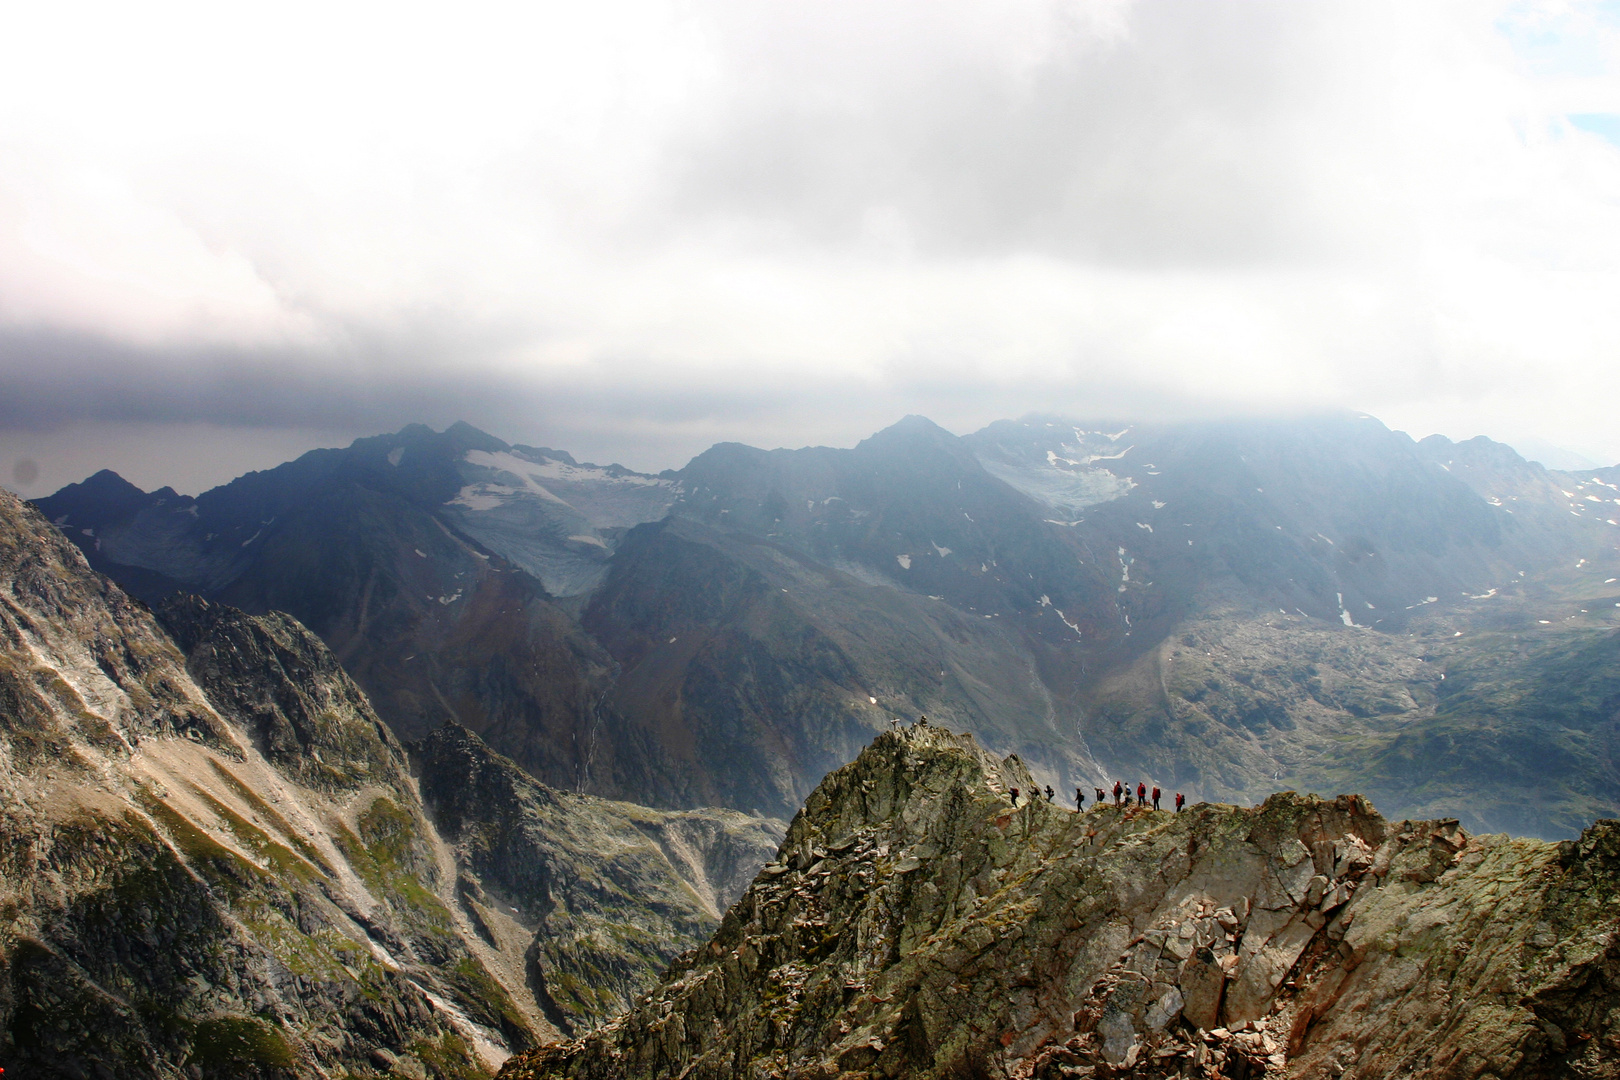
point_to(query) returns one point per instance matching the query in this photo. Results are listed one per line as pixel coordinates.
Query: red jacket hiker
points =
(1155, 798)
(1180, 799)
(1141, 794)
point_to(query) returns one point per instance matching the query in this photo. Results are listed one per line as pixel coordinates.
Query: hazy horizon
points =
(634, 231)
(183, 472)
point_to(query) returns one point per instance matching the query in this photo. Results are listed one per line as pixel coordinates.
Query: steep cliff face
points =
(214, 861)
(175, 900)
(611, 891)
(279, 684)
(919, 923)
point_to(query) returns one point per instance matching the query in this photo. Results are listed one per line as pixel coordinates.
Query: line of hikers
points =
(1122, 796)
(1122, 791)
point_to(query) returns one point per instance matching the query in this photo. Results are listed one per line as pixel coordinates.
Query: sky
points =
(233, 232)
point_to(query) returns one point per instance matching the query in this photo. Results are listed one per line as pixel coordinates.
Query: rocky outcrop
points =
(611, 891)
(282, 686)
(186, 888)
(921, 922)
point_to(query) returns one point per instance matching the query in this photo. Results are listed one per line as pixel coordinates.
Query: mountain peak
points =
(95, 500)
(471, 438)
(106, 484)
(912, 426)
(993, 931)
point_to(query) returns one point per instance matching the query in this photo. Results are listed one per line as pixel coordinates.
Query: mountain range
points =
(436, 755)
(1224, 609)
(217, 861)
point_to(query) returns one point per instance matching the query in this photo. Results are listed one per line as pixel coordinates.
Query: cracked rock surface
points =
(917, 923)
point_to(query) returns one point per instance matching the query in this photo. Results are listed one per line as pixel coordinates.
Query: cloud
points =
(663, 223)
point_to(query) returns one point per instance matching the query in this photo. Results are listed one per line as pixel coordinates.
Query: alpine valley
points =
(435, 753)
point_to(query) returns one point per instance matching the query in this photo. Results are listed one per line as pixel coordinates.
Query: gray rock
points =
(1019, 948)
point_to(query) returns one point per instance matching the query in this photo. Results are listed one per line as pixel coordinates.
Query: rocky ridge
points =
(920, 922)
(215, 860)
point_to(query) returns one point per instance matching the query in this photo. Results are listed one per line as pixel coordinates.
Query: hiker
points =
(1181, 801)
(1117, 787)
(1079, 799)
(1155, 798)
(922, 721)
(1141, 793)
(1049, 793)
(1099, 796)
(1015, 796)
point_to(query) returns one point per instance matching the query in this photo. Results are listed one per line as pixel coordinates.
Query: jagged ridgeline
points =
(919, 924)
(216, 861)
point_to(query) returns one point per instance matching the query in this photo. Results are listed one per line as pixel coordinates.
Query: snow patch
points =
(943, 551)
(482, 497)
(396, 455)
(904, 561)
(1144, 525)
(551, 469)
(527, 474)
